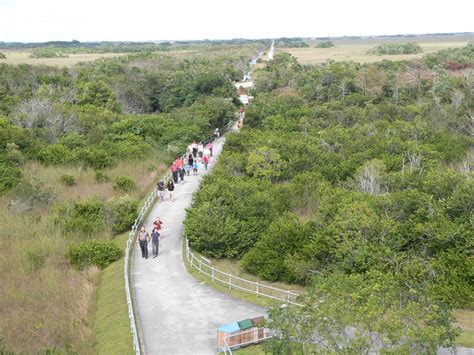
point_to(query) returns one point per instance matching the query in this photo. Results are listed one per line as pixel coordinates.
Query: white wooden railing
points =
(260, 289)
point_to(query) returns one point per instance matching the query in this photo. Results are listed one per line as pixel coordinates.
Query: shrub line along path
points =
(178, 314)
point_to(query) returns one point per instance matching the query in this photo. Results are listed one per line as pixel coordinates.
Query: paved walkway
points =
(176, 313)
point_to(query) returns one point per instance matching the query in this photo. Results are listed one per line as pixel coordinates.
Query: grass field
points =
(44, 303)
(111, 324)
(356, 50)
(22, 57)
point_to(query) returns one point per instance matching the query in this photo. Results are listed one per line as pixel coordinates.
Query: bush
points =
(100, 176)
(396, 48)
(3, 56)
(83, 216)
(325, 44)
(96, 158)
(124, 183)
(93, 252)
(10, 176)
(68, 180)
(36, 260)
(122, 214)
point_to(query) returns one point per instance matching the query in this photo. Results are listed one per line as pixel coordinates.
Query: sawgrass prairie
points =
(356, 50)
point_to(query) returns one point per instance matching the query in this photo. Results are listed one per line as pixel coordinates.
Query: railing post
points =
(200, 266)
(288, 294)
(230, 282)
(212, 273)
(258, 291)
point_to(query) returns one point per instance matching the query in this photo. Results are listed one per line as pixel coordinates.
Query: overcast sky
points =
(138, 20)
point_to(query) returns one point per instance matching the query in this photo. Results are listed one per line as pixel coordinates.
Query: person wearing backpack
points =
(155, 242)
(143, 238)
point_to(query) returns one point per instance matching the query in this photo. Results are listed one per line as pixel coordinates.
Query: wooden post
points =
(258, 291)
(230, 282)
(212, 273)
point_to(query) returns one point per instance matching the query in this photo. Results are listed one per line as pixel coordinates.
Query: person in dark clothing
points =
(143, 238)
(174, 172)
(181, 173)
(160, 189)
(155, 242)
(170, 187)
(190, 159)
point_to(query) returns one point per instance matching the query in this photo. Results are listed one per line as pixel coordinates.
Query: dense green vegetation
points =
(79, 148)
(3, 56)
(325, 44)
(396, 48)
(295, 42)
(47, 53)
(351, 170)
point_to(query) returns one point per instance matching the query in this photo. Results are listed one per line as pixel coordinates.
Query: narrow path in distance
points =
(178, 314)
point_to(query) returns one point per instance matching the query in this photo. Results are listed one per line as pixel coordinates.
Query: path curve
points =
(178, 314)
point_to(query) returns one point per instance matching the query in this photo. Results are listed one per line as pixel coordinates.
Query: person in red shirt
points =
(157, 223)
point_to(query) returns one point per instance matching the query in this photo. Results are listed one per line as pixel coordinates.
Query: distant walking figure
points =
(217, 134)
(188, 168)
(190, 159)
(155, 242)
(195, 168)
(209, 146)
(171, 189)
(181, 173)
(143, 237)
(160, 188)
(205, 160)
(174, 172)
(157, 224)
(195, 148)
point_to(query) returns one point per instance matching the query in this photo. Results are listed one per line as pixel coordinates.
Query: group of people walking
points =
(144, 238)
(197, 153)
(183, 166)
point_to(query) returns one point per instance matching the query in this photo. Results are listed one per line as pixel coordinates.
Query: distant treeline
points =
(120, 47)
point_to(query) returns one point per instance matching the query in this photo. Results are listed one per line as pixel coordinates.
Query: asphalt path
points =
(176, 313)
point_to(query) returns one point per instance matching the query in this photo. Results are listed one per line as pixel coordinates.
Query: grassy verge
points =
(246, 296)
(465, 320)
(111, 324)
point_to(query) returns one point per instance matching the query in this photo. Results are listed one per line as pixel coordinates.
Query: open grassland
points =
(111, 324)
(356, 50)
(40, 293)
(23, 57)
(17, 56)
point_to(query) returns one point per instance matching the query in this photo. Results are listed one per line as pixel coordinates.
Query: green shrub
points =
(56, 154)
(68, 180)
(396, 48)
(96, 158)
(122, 214)
(83, 216)
(93, 252)
(325, 44)
(47, 53)
(100, 176)
(124, 183)
(10, 176)
(3, 56)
